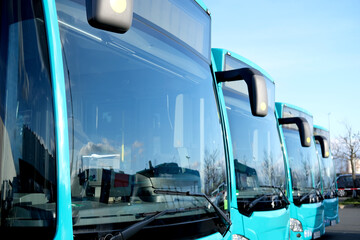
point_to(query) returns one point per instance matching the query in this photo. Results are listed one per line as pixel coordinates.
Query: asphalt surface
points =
(348, 228)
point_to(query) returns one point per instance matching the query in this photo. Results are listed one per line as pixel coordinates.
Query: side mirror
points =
(303, 126)
(256, 86)
(111, 15)
(324, 145)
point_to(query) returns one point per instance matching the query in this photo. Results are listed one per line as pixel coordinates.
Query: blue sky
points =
(310, 47)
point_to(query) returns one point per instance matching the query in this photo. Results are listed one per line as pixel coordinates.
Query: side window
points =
(27, 136)
(349, 182)
(341, 182)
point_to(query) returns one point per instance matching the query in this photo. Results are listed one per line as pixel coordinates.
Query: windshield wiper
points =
(278, 188)
(217, 209)
(307, 195)
(259, 199)
(313, 190)
(135, 228)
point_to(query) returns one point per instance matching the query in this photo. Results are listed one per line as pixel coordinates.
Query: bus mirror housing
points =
(256, 85)
(110, 15)
(324, 144)
(303, 126)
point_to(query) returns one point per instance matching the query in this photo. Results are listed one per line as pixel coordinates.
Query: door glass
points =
(27, 137)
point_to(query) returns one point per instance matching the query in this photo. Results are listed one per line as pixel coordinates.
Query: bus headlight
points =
(238, 237)
(295, 225)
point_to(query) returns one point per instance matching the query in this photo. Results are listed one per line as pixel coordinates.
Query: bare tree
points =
(268, 168)
(347, 147)
(214, 173)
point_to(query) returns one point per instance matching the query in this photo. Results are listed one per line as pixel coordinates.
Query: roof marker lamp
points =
(256, 85)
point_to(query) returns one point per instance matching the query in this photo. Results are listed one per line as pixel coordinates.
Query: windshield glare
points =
(328, 174)
(28, 176)
(142, 117)
(258, 157)
(304, 164)
(328, 171)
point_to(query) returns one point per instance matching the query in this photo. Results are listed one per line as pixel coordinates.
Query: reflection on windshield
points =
(139, 123)
(258, 157)
(304, 164)
(28, 181)
(246, 176)
(327, 174)
(107, 184)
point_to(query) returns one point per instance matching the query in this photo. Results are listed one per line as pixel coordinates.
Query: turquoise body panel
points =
(321, 128)
(261, 224)
(202, 4)
(331, 211)
(219, 56)
(310, 215)
(267, 224)
(64, 212)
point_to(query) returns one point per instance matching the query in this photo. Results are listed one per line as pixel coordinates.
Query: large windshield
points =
(143, 118)
(328, 174)
(304, 163)
(27, 137)
(258, 157)
(327, 171)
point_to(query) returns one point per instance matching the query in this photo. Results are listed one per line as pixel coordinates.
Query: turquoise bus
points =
(259, 206)
(329, 185)
(109, 123)
(306, 208)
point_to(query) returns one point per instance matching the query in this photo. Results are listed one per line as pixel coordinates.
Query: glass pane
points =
(304, 162)
(184, 19)
(27, 139)
(259, 162)
(232, 63)
(142, 117)
(328, 174)
(300, 159)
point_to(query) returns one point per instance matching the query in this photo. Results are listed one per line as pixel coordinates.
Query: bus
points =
(307, 207)
(259, 207)
(109, 123)
(329, 185)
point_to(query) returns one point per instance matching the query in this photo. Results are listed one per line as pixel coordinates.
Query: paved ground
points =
(348, 228)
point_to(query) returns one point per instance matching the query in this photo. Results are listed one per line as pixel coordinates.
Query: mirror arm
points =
(324, 149)
(236, 75)
(108, 16)
(303, 127)
(256, 85)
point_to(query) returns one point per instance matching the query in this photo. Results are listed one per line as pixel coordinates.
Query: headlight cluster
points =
(295, 225)
(238, 237)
